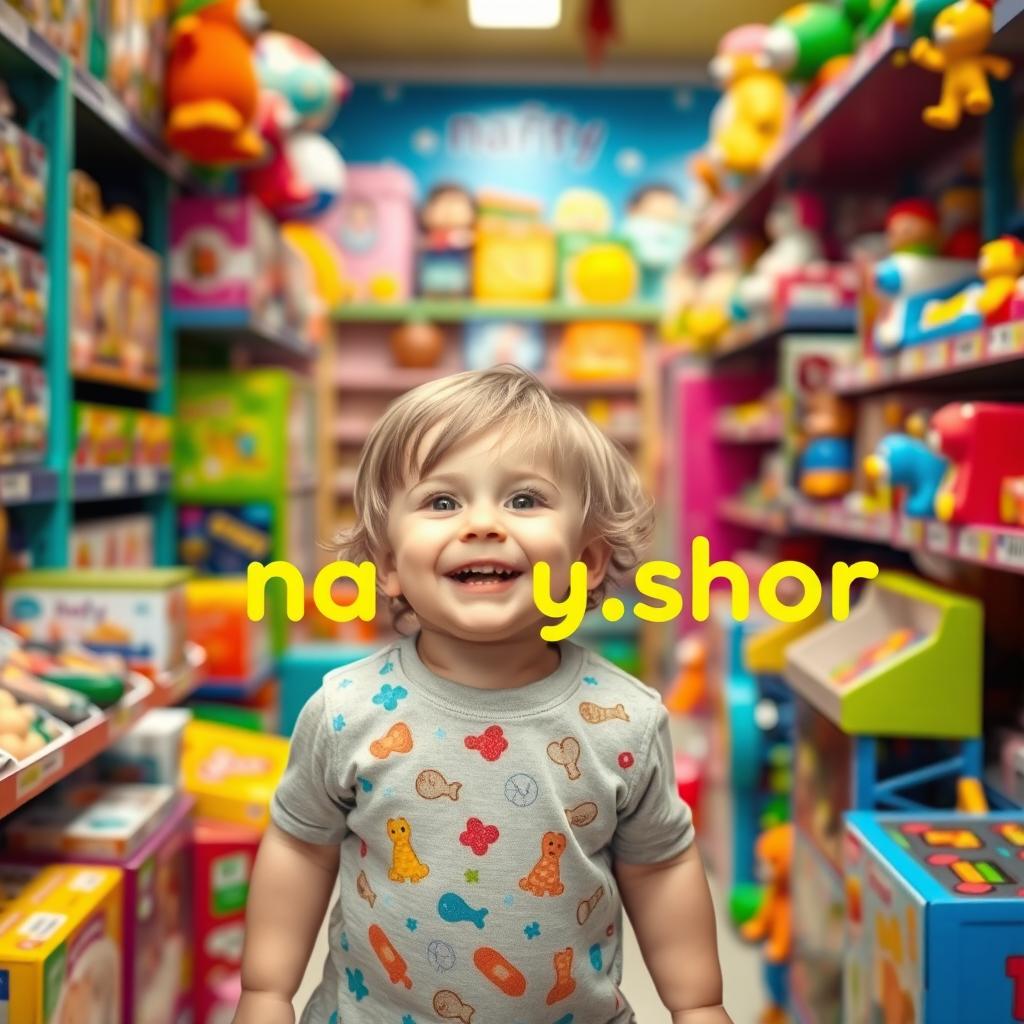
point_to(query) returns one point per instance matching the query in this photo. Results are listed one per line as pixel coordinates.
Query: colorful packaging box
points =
(24, 296)
(157, 908)
(139, 615)
(150, 751)
(515, 263)
(101, 820)
(232, 773)
(121, 542)
(224, 539)
(61, 946)
(23, 178)
(24, 413)
(237, 649)
(375, 226)
(102, 435)
(154, 434)
(223, 858)
(596, 269)
(225, 254)
(243, 435)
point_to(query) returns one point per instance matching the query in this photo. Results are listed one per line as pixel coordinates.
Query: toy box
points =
(224, 255)
(60, 945)
(153, 439)
(24, 296)
(601, 351)
(155, 883)
(138, 615)
(115, 303)
(223, 858)
(821, 286)
(23, 177)
(375, 225)
(935, 918)
(110, 822)
(224, 539)
(514, 263)
(121, 542)
(24, 413)
(232, 773)
(243, 436)
(136, 42)
(150, 751)
(237, 649)
(102, 435)
(596, 269)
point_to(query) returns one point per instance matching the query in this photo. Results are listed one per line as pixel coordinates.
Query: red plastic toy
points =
(982, 442)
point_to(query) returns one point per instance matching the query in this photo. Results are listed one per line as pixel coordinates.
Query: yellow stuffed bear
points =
(961, 34)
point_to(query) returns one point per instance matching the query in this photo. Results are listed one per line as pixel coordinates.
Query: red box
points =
(223, 858)
(820, 286)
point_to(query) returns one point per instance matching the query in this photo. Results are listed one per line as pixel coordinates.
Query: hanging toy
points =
(960, 36)
(211, 88)
(300, 92)
(599, 27)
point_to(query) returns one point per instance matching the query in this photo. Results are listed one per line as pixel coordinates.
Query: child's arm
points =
(670, 907)
(291, 885)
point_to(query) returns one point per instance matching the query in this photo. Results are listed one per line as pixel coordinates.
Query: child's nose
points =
(482, 523)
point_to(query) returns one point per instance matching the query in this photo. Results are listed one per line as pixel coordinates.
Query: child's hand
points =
(705, 1015)
(264, 1008)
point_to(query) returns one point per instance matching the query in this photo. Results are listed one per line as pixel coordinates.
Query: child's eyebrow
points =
(459, 479)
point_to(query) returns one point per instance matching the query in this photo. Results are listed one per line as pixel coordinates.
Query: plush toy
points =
(1000, 266)
(657, 228)
(904, 461)
(794, 225)
(709, 315)
(960, 36)
(750, 118)
(211, 87)
(978, 438)
(917, 17)
(300, 92)
(814, 41)
(772, 924)
(826, 467)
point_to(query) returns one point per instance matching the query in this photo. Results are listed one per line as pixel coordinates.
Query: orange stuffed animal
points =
(212, 88)
(772, 924)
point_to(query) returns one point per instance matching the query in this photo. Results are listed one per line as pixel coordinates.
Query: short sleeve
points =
(655, 825)
(310, 803)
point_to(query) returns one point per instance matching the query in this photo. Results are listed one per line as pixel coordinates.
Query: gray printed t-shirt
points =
(477, 832)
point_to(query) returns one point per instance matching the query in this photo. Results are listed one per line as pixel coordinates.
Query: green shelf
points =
(455, 311)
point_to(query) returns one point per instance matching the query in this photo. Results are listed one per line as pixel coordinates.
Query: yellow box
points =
(60, 946)
(231, 772)
(514, 263)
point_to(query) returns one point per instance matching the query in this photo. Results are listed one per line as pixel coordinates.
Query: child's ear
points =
(387, 575)
(595, 556)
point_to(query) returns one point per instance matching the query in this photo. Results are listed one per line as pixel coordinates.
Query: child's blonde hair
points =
(533, 422)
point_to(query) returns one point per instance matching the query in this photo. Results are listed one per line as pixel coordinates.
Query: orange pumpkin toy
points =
(212, 88)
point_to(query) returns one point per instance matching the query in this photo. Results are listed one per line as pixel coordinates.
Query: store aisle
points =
(740, 964)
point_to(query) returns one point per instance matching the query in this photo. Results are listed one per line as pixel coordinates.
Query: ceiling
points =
(654, 36)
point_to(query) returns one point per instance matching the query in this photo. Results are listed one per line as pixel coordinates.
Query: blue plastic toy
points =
(906, 461)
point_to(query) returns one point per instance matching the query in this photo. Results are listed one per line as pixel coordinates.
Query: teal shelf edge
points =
(225, 326)
(464, 310)
(28, 485)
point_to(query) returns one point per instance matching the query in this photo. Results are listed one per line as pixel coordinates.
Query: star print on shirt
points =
(441, 734)
(590, 680)
(389, 696)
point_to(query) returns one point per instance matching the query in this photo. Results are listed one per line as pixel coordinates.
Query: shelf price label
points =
(939, 537)
(935, 356)
(1006, 340)
(114, 481)
(32, 777)
(974, 544)
(968, 349)
(147, 480)
(1010, 550)
(15, 487)
(911, 532)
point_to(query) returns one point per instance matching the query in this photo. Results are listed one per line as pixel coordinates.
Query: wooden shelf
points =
(455, 311)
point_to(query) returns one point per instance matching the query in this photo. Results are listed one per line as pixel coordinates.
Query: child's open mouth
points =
(485, 577)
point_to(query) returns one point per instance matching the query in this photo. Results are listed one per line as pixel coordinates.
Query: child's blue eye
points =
(527, 499)
(442, 503)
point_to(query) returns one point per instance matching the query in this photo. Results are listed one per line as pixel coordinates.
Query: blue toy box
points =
(935, 918)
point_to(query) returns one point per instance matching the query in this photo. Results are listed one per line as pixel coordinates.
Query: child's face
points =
(485, 505)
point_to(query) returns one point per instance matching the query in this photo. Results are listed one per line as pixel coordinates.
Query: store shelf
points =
(112, 127)
(20, 784)
(116, 378)
(115, 482)
(764, 520)
(23, 45)
(34, 348)
(979, 359)
(461, 310)
(998, 547)
(863, 130)
(233, 690)
(763, 337)
(353, 434)
(239, 326)
(29, 486)
(394, 380)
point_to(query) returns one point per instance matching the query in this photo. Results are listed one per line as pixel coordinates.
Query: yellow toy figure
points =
(751, 116)
(960, 36)
(772, 924)
(1000, 266)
